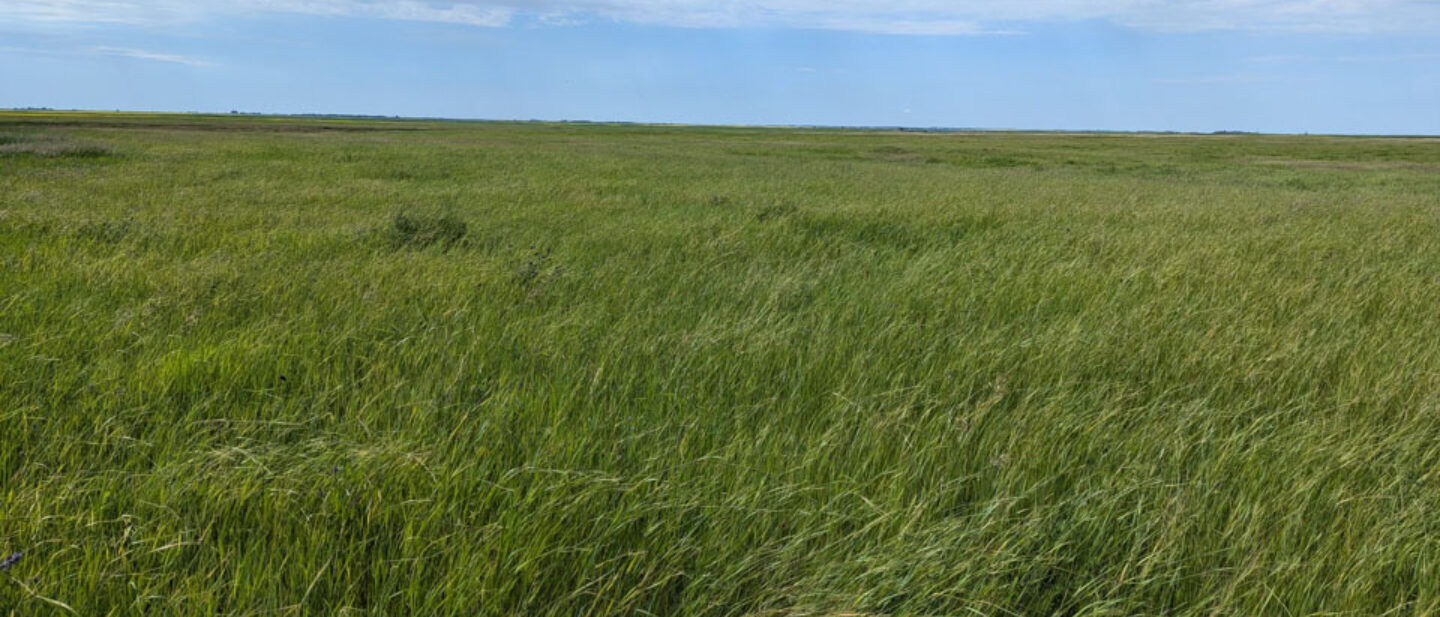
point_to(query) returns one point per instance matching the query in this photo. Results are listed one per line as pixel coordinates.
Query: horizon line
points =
(878, 128)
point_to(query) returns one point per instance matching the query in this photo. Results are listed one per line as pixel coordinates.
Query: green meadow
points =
(288, 366)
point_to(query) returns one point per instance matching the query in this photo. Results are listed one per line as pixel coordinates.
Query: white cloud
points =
(941, 17)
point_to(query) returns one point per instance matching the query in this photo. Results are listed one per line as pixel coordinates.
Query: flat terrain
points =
(261, 366)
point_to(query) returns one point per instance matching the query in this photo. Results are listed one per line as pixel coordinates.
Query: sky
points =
(1280, 66)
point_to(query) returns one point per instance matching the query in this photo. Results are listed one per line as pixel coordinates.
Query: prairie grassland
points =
(257, 366)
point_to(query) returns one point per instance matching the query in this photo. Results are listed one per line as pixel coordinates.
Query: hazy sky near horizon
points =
(1323, 66)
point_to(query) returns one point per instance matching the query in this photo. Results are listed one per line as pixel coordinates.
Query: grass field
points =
(260, 366)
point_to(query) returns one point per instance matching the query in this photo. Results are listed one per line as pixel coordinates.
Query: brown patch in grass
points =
(55, 149)
(223, 126)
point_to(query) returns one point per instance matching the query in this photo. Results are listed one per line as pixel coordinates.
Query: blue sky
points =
(1320, 66)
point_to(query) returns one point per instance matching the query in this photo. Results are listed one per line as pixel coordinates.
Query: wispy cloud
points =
(28, 51)
(1278, 59)
(1416, 57)
(114, 52)
(140, 54)
(20, 12)
(1222, 80)
(488, 14)
(1371, 58)
(920, 17)
(176, 12)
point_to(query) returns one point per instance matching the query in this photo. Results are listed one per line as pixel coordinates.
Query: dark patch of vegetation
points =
(108, 231)
(774, 212)
(888, 232)
(534, 273)
(418, 231)
(875, 231)
(1138, 170)
(896, 154)
(983, 160)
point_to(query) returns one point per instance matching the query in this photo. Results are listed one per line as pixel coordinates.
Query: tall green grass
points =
(263, 366)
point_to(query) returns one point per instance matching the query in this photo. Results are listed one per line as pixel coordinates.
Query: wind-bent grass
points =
(268, 366)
